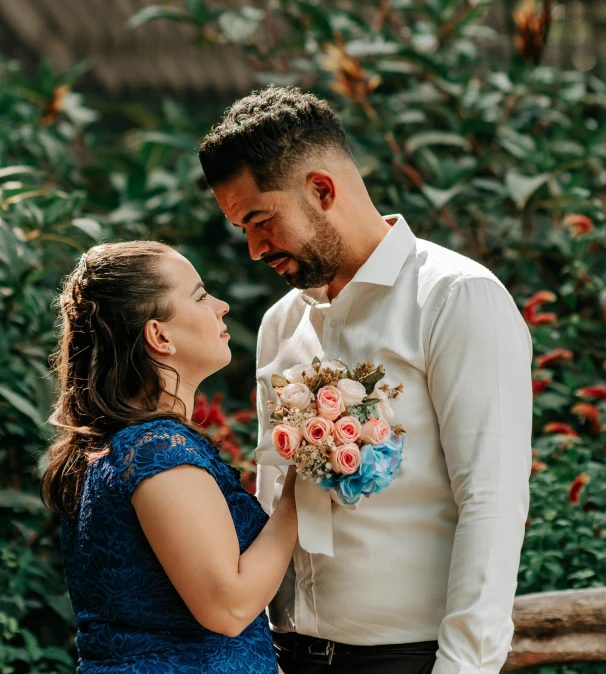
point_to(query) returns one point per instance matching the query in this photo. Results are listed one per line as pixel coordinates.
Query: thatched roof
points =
(158, 56)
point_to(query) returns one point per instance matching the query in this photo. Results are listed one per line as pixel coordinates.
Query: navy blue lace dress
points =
(130, 618)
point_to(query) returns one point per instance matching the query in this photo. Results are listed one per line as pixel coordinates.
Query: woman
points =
(169, 562)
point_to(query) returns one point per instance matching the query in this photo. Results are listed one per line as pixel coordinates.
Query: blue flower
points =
(379, 465)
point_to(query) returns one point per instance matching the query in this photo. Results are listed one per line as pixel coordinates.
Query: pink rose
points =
(296, 395)
(317, 430)
(352, 391)
(347, 429)
(345, 459)
(329, 402)
(375, 431)
(286, 440)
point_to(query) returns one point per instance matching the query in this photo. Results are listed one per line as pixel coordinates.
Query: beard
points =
(319, 259)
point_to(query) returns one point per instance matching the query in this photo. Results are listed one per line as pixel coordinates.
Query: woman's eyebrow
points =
(198, 286)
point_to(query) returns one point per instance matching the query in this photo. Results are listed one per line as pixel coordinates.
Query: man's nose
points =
(257, 246)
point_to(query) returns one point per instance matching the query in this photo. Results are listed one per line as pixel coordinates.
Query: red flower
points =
(554, 356)
(596, 391)
(244, 416)
(233, 450)
(560, 428)
(539, 385)
(531, 305)
(578, 224)
(207, 416)
(577, 487)
(249, 482)
(589, 413)
(538, 467)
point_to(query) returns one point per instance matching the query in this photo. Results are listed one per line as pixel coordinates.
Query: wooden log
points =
(558, 627)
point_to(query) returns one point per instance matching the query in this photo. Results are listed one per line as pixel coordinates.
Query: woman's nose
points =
(223, 308)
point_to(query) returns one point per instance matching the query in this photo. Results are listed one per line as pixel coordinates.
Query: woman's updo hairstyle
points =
(107, 378)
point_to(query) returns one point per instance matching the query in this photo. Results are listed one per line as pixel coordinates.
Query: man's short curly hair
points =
(269, 132)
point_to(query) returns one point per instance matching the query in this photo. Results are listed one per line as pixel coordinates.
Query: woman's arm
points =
(187, 522)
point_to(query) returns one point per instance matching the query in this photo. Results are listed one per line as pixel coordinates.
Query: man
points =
(430, 564)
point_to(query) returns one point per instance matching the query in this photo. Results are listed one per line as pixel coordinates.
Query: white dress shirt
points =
(436, 554)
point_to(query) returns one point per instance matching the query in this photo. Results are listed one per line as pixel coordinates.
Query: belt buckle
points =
(329, 651)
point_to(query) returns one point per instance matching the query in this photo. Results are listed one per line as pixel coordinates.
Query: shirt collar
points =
(384, 264)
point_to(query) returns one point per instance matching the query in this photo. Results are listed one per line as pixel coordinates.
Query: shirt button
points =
(334, 324)
(303, 584)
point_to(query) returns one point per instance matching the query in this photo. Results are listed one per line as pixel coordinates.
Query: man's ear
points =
(322, 187)
(157, 339)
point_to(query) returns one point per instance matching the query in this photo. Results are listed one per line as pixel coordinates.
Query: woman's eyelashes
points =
(202, 297)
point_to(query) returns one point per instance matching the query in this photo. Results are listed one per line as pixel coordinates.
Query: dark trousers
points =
(294, 658)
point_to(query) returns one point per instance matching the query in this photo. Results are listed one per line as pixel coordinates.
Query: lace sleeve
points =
(155, 447)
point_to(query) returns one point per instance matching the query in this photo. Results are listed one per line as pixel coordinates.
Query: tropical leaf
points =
(22, 405)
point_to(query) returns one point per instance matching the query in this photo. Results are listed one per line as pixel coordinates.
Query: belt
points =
(322, 651)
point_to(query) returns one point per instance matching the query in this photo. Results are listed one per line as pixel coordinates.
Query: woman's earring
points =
(171, 347)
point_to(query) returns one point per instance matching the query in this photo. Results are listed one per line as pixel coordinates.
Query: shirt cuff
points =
(447, 667)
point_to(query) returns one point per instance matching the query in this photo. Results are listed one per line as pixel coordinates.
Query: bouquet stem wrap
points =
(314, 506)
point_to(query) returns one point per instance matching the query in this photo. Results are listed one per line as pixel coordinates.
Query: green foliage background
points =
(485, 157)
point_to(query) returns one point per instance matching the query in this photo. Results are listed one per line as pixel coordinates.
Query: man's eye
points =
(262, 223)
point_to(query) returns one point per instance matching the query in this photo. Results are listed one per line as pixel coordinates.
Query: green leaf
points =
(199, 11)
(239, 27)
(61, 605)
(521, 187)
(22, 405)
(278, 381)
(372, 378)
(319, 19)
(89, 226)
(9, 171)
(31, 643)
(439, 198)
(153, 12)
(427, 138)
(57, 655)
(20, 500)
(517, 144)
(179, 141)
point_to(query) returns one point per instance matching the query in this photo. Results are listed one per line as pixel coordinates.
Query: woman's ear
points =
(157, 340)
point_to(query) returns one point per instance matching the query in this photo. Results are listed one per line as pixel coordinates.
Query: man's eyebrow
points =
(251, 214)
(198, 286)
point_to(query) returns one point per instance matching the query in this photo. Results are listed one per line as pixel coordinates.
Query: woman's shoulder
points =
(157, 430)
(142, 450)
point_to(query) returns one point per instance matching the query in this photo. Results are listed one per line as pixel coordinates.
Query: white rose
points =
(296, 373)
(331, 365)
(383, 408)
(296, 395)
(352, 392)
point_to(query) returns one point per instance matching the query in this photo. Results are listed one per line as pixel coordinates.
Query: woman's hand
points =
(189, 526)
(288, 491)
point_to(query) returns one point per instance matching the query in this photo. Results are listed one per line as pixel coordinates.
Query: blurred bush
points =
(504, 162)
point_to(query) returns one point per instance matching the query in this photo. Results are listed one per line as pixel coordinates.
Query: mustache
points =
(268, 259)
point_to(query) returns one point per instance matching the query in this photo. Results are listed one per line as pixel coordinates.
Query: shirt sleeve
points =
(479, 359)
(152, 448)
(270, 479)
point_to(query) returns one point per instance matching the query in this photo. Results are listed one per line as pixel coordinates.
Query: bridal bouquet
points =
(334, 424)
